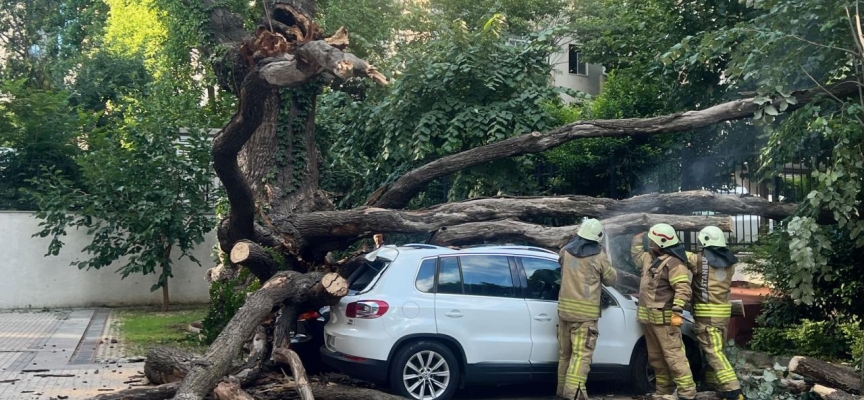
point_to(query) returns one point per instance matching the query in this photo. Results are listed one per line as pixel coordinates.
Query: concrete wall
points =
(29, 279)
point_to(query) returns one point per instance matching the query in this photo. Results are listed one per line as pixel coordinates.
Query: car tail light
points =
(366, 309)
(307, 316)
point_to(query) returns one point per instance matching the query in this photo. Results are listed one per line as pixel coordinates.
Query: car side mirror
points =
(605, 301)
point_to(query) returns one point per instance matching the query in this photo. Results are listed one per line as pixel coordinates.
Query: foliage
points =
(106, 78)
(837, 294)
(459, 90)
(145, 189)
(144, 328)
(825, 339)
(790, 45)
(136, 28)
(761, 385)
(226, 297)
(37, 128)
(42, 39)
(372, 24)
(523, 16)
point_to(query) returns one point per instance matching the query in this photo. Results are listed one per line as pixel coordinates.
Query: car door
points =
(477, 303)
(542, 283)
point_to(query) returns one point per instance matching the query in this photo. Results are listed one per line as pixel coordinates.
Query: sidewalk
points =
(55, 355)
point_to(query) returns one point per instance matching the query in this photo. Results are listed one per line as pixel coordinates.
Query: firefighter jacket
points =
(581, 276)
(711, 286)
(665, 284)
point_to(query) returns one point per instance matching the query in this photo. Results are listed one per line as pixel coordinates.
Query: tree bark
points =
(301, 290)
(828, 393)
(330, 230)
(250, 255)
(167, 365)
(837, 376)
(399, 193)
(286, 356)
(557, 237)
(230, 390)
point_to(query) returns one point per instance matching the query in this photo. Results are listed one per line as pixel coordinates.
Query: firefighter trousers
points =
(667, 357)
(719, 374)
(576, 342)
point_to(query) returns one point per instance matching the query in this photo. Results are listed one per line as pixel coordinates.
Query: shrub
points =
(824, 339)
(226, 297)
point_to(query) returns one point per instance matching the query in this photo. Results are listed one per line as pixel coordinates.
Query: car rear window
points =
(360, 280)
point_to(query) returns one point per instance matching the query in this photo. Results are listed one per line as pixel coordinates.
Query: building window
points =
(576, 65)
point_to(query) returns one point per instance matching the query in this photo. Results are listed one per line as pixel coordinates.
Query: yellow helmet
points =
(591, 229)
(663, 235)
(712, 236)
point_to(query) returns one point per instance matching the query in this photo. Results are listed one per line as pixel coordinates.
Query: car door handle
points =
(454, 314)
(543, 317)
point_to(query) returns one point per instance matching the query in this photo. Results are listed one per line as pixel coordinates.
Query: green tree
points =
(146, 190)
(37, 128)
(459, 90)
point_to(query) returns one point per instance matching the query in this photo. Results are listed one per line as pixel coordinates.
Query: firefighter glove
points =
(677, 319)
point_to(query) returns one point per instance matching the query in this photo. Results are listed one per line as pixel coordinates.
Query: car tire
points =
(422, 366)
(639, 370)
(642, 377)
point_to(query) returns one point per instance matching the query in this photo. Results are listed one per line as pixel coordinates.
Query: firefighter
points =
(712, 277)
(663, 292)
(584, 266)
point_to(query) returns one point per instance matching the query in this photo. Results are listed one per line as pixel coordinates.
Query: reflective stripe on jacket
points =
(665, 283)
(579, 298)
(711, 289)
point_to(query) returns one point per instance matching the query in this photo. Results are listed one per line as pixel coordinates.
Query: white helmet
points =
(712, 236)
(663, 235)
(591, 229)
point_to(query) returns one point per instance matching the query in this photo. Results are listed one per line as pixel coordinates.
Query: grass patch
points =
(143, 328)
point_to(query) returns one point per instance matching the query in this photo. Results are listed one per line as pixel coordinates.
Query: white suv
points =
(429, 319)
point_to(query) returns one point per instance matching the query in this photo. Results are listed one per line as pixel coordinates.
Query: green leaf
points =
(771, 110)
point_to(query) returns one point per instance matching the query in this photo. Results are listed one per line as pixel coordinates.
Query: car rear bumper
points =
(356, 367)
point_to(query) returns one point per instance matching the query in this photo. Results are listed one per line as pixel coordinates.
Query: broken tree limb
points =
(251, 255)
(287, 356)
(836, 376)
(557, 237)
(286, 286)
(400, 192)
(828, 393)
(166, 365)
(230, 390)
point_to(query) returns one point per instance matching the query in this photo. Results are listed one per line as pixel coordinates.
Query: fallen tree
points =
(281, 225)
(830, 375)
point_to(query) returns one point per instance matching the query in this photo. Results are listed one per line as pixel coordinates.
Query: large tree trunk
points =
(835, 376)
(301, 291)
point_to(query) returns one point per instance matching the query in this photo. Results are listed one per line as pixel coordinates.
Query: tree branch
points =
(326, 229)
(407, 186)
(557, 237)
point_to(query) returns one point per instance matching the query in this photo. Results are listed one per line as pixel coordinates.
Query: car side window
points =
(449, 277)
(544, 278)
(426, 276)
(487, 275)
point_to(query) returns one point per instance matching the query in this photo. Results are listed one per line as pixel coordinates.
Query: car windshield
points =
(365, 275)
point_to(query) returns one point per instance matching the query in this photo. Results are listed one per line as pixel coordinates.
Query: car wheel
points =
(425, 370)
(642, 373)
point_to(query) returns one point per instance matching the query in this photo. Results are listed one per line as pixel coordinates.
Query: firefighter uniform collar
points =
(581, 247)
(719, 257)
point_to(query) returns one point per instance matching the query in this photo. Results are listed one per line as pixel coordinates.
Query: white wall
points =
(591, 83)
(29, 279)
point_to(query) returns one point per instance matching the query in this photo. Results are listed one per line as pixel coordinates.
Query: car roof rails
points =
(422, 246)
(510, 247)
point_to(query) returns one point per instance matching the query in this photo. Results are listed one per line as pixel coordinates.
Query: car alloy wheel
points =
(426, 375)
